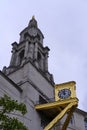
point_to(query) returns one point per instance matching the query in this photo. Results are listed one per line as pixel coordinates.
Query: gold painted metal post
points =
(54, 104)
(68, 118)
(69, 106)
(59, 116)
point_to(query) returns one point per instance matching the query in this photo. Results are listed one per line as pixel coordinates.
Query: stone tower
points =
(29, 70)
(30, 49)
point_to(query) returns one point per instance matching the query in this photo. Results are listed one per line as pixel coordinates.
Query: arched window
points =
(26, 35)
(21, 56)
(38, 37)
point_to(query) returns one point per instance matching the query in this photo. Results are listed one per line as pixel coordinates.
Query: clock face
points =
(64, 93)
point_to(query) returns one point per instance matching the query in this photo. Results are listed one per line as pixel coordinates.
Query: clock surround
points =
(65, 90)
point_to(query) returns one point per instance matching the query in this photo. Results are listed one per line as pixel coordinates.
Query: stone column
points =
(31, 50)
(46, 62)
(26, 49)
(36, 54)
(35, 51)
(42, 62)
(13, 58)
(17, 60)
(14, 53)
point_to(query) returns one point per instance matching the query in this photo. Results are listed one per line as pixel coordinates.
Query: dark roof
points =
(10, 81)
(84, 113)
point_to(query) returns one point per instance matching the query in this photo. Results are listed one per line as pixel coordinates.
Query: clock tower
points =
(28, 68)
(30, 49)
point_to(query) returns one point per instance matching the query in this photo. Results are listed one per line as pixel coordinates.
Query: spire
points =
(33, 22)
(32, 32)
(33, 17)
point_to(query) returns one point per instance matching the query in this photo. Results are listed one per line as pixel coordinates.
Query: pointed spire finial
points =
(33, 22)
(33, 17)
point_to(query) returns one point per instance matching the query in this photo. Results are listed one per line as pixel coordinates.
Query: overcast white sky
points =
(64, 25)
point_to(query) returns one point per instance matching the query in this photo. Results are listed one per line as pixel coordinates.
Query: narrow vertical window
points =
(85, 123)
(72, 121)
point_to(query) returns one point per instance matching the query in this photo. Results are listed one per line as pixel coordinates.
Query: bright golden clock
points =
(65, 91)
